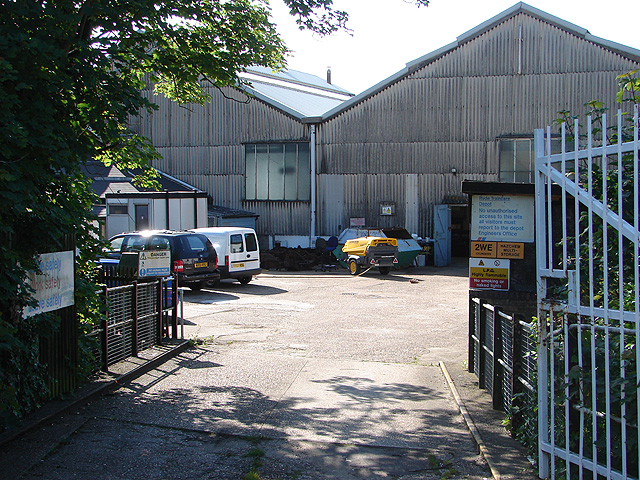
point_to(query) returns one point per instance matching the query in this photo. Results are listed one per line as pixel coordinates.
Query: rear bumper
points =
(224, 273)
(197, 278)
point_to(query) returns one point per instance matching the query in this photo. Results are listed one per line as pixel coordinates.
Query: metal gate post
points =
(174, 312)
(497, 387)
(134, 323)
(544, 458)
(103, 336)
(482, 327)
(472, 330)
(160, 310)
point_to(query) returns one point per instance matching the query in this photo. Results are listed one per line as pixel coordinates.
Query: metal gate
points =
(587, 241)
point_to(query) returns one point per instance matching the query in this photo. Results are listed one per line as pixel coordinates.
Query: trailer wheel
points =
(354, 268)
(385, 270)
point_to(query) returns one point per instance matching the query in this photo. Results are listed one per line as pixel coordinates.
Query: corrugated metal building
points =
(464, 112)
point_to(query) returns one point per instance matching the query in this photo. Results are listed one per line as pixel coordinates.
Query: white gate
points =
(587, 240)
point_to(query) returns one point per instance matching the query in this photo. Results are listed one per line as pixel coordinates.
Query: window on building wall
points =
(517, 159)
(278, 171)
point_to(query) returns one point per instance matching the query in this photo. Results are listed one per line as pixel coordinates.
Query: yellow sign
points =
(489, 274)
(510, 250)
(483, 249)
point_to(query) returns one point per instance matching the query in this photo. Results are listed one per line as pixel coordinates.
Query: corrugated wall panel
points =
(361, 195)
(280, 218)
(331, 199)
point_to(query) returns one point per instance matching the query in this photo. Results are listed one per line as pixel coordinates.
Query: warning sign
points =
(489, 274)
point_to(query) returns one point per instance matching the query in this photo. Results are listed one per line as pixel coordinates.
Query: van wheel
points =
(354, 268)
(245, 280)
(196, 287)
(385, 270)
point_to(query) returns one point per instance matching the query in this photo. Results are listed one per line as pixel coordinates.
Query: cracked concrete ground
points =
(308, 375)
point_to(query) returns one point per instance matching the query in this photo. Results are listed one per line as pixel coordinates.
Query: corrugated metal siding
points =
(280, 218)
(408, 158)
(446, 114)
(345, 196)
(450, 113)
(546, 49)
(411, 203)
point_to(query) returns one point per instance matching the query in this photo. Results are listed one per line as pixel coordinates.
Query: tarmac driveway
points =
(313, 375)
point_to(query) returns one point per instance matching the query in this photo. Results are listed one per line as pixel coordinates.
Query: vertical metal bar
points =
(481, 351)
(541, 262)
(636, 248)
(182, 313)
(552, 385)
(160, 309)
(605, 280)
(549, 202)
(174, 311)
(567, 409)
(576, 166)
(621, 303)
(134, 322)
(472, 329)
(575, 287)
(564, 198)
(497, 393)
(594, 390)
(104, 324)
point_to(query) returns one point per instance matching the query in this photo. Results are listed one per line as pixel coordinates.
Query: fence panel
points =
(139, 315)
(502, 353)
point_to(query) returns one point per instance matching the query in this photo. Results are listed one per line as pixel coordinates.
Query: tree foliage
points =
(70, 78)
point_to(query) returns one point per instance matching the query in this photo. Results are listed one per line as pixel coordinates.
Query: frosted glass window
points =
(262, 172)
(277, 171)
(291, 172)
(517, 159)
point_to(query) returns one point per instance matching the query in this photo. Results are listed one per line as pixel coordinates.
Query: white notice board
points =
(502, 218)
(54, 285)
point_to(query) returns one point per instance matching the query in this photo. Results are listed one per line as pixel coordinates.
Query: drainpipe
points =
(312, 149)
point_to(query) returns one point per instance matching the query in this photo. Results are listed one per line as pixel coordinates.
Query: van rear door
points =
(243, 252)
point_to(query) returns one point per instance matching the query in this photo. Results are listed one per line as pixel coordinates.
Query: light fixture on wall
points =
(454, 170)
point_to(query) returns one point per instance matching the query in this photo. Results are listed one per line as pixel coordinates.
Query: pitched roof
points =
(112, 180)
(297, 93)
(475, 32)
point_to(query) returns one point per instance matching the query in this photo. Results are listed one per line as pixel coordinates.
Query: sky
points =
(389, 33)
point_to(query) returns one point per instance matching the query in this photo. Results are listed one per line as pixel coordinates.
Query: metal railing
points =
(140, 314)
(502, 354)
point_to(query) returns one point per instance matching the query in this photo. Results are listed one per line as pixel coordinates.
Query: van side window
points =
(236, 243)
(250, 240)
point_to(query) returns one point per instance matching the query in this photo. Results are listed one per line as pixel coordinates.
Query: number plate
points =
(200, 265)
(238, 265)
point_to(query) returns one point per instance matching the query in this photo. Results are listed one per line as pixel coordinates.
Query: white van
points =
(238, 251)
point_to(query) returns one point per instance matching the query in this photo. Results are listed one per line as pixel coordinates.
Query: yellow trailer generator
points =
(369, 252)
